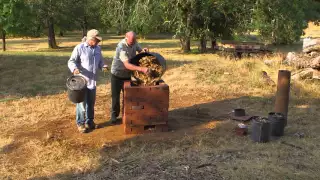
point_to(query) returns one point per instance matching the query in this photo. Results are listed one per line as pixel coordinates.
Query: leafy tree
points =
(50, 14)
(13, 19)
(312, 11)
(85, 14)
(280, 21)
(207, 19)
(115, 13)
(182, 21)
(146, 17)
(46, 12)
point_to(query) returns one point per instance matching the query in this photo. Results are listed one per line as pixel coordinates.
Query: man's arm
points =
(134, 67)
(74, 60)
(125, 59)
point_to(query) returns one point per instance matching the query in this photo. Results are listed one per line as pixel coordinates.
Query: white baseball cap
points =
(94, 34)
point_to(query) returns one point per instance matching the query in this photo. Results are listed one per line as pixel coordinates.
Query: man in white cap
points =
(121, 69)
(86, 59)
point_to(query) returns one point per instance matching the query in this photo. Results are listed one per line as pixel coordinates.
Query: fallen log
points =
(311, 45)
(310, 49)
(315, 63)
(302, 61)
(316, 74)
(303, 74)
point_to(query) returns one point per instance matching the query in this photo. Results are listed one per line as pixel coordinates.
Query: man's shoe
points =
(91, 125)
(113, 120)
(82, 128)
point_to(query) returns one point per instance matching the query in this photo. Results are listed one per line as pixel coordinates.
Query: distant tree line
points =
(276, 21)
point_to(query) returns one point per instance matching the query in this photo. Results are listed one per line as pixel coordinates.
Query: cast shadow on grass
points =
(59, 40)
(150, 155)
(34, 75)
(154, 36)
(129, 164)
(105, 46)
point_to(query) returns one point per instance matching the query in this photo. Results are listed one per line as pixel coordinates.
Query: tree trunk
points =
(203, 45)
(61, 33)
(185, 44)
(120, 28)
(4, 40)
(185, 38)
(51, 36)
(84, 26)
(213, 44)
(84, 32)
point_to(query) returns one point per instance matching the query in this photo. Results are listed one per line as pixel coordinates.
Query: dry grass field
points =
(39, 139)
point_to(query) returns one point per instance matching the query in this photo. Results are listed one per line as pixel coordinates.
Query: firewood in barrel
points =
(155, 71)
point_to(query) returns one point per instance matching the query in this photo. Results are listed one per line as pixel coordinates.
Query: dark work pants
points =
(116, 87)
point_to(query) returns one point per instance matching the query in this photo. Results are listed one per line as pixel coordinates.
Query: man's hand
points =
(144, 70)
(76, 71)
(146, 50)
(105, 68)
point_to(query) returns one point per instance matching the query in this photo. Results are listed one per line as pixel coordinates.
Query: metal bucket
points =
(76, 88)
(277, 121)
(239, 112)
(261, 131)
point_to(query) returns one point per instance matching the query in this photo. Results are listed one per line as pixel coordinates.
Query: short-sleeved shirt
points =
(123, 52)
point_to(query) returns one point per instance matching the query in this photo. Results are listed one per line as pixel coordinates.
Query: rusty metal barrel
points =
(160, 59)
(154, 76)
(283, 92)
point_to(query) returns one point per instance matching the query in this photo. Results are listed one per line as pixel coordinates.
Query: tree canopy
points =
(278, 21)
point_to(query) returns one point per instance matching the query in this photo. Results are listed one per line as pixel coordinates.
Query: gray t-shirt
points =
(124, 52)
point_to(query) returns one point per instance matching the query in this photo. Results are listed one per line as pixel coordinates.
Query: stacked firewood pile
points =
(308, 62)
(154, 74)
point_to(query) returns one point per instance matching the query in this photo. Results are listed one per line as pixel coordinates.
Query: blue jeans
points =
(85, 110)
